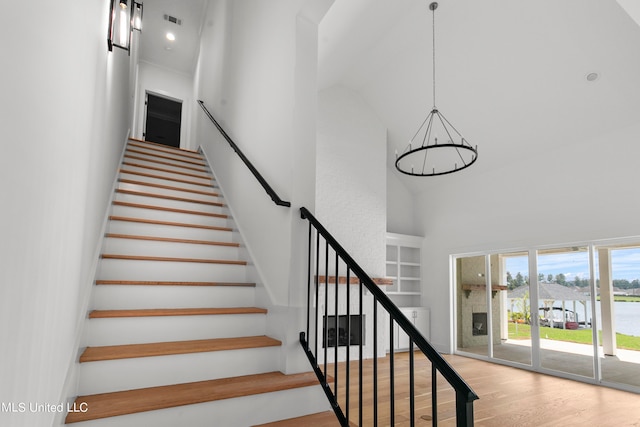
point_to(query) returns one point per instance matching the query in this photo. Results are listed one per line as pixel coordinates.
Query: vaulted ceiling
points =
(511, 76)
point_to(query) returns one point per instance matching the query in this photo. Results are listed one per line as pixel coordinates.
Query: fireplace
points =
(344, 334)
(479, 323)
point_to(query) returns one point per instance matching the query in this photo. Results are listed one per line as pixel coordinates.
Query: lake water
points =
(627, 315)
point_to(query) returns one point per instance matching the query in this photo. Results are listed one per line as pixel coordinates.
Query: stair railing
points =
(326, 327)
(270, 191)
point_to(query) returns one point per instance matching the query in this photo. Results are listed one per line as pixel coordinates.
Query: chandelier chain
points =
(433, 38)
(433, 157)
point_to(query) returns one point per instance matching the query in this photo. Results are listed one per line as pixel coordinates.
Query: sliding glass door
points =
(515, 309)
(570, 310)
(473, 312)
(618, 313)
(564, 287)
(490, 321)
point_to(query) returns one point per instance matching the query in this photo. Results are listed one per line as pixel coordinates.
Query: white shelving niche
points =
(404, 267)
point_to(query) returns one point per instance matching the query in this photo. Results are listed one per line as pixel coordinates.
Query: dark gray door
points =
(163, 120)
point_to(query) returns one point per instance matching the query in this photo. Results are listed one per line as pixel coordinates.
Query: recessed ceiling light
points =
(592, 77)
(171, 36)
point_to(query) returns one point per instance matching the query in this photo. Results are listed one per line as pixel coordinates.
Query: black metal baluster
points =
(375, 362)
(309, 287)
(348, 327)
(337, 335)
(361, 355)
(392, 395)
(325, 332)
(412, 394)
(434, 395)
(315, 345)
(464, 410)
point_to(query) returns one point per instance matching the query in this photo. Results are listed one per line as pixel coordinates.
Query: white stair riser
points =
(129, 297)
(165, 153)
(164, 163)
(238, 412)
(176, 204)
(126, 374)
(200, 177)
(138, 330)
(168, 192)
(159, 215)
(168, 249)
(164, 181)
(170, 271)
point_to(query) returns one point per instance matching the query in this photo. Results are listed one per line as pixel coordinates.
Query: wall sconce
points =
(136, 16)
(124, 17)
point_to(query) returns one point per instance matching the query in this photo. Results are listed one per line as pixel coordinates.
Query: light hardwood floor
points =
(508, 396)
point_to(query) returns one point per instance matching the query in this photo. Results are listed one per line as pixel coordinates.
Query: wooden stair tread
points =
(134, 150)
(169, 187)
(166, 178)
(168, 283)
(148, 399)
(172, 259)
(163, 147)
(166, 197)
(167, 209)
(187, 155)
(170, 223)
(159, 169)
(161, 312)
(321, 419)
(162, 162)
(172, 240)
(130, 351)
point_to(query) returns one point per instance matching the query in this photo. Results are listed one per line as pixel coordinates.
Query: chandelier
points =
(437, 148)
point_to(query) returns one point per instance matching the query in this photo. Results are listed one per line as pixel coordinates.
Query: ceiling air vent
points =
(172, 19)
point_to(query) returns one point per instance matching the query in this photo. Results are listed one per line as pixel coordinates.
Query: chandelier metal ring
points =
(431, 157)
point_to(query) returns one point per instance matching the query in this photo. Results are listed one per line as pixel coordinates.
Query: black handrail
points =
(270, 191)
(464, 394)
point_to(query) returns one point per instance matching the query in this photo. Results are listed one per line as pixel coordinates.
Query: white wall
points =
(257, 75)
(351, 191)
(400, 206)
(64, 117)
(167, 83)
(582, 192)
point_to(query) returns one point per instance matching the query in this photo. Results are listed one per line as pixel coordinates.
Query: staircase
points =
(174, 337)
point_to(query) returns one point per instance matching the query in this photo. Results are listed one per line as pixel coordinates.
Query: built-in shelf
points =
(404, 268)
(494, 289)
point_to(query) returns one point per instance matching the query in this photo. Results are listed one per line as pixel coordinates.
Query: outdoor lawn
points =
(518, 331)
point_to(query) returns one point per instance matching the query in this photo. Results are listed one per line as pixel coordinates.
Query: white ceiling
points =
(180, 55)
(510, 75)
